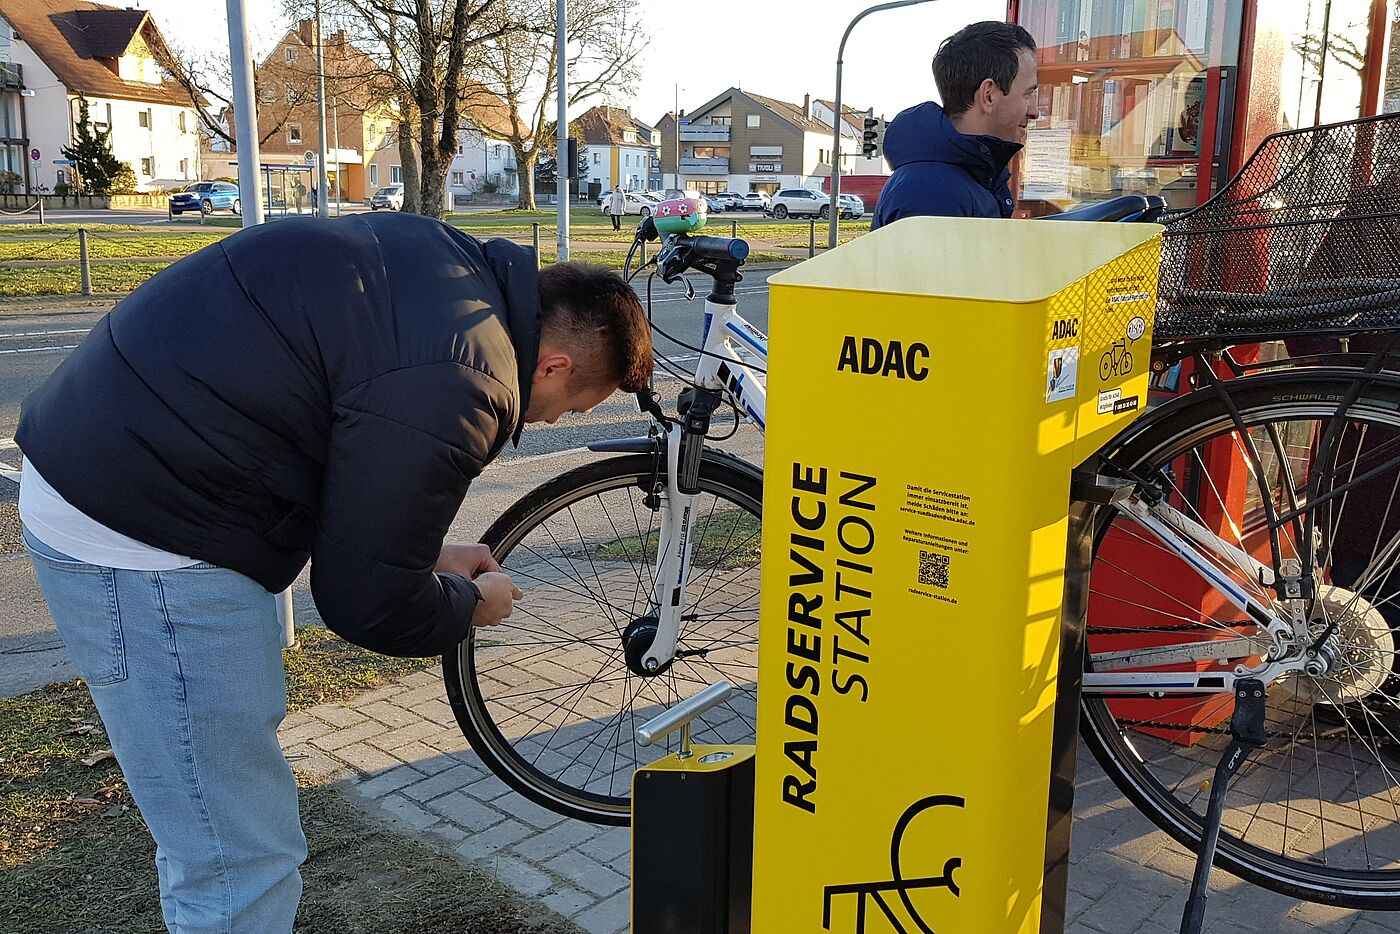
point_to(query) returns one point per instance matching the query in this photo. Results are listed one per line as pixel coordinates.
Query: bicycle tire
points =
(1105, 365)
(480, 674)
(1133, 748)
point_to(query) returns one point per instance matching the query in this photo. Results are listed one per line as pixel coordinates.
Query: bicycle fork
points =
(651, 643)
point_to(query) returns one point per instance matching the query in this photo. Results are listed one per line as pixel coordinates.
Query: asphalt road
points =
(33, 342)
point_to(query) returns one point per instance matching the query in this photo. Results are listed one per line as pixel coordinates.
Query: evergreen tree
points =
(94, 165)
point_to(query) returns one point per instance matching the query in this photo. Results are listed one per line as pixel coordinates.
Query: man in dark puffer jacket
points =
(305, 389)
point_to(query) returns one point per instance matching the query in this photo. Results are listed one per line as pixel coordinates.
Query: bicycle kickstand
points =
(1247, 733)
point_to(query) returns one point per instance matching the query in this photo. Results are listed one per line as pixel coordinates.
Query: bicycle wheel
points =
(547, 698)
(1316, 813)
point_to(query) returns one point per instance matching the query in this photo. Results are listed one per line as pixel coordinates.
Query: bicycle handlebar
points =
(722, 249)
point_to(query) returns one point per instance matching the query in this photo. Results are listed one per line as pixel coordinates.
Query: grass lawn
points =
(67, 280)
(99, 247)
(18, 230)
(75, 855)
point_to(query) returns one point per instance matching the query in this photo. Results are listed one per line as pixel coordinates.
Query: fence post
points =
(811, 237)
(535, 234)
(84, 268)
(41, 209)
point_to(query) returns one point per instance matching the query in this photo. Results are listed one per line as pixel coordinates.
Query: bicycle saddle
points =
(1145, 208)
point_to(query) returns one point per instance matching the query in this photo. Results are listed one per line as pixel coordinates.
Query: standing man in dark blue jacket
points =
(320, 390)
(952, 160)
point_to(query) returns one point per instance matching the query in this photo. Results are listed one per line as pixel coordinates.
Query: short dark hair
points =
(593, 310)
(972, 55)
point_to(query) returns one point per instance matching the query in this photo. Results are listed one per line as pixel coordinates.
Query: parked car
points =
(852, 206)
(732, 200)
(754, 201)
(635, 202)
(390, 196)
(206, 197)
(714, 203)
(800, 202)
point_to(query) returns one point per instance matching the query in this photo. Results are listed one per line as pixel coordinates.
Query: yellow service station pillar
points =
(931, 387)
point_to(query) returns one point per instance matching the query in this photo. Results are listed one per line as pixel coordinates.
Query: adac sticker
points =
(1062, 374)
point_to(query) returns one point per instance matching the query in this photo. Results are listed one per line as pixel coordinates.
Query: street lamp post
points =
(323, 203)
(561, 153)
(836, 118)
(245, 114)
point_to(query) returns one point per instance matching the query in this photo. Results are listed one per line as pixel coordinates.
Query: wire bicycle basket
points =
(1304, 240)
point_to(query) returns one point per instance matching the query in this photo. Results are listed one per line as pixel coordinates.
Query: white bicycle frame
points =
(723, 368)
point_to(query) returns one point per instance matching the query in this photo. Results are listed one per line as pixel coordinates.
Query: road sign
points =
(309, 157)
(34, 154)
(62, 161)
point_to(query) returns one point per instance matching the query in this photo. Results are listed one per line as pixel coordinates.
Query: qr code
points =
(933, 569)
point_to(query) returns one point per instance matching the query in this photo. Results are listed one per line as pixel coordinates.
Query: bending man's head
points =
(987, 77)
(594, 339)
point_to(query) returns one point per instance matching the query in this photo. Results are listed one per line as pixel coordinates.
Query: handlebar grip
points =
(723, 249)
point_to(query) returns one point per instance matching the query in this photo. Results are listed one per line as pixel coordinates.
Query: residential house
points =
(360, 123)
(484, 160)
(619, 149)
(741, 141)
(54, 52)
(852, 128)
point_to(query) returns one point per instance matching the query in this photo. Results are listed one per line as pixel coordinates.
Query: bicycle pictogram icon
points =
(901, 886)
(1116, 361)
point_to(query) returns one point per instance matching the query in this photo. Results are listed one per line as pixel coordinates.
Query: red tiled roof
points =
(80, 42)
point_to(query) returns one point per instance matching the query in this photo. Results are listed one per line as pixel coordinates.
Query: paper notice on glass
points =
(1045, 169)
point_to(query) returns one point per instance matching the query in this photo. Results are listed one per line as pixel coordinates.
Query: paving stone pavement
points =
(399, 751)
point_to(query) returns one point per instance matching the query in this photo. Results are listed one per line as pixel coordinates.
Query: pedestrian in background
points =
(617, 206)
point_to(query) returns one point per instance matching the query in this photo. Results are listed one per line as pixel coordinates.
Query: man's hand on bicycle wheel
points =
(466, 560)
(498, 596)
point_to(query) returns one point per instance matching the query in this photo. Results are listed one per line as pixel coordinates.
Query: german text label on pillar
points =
(931, 386)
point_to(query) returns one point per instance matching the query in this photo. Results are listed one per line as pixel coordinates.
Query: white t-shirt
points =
(58, 524)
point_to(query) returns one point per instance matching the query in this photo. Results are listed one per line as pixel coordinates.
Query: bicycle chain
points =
(1182, 627)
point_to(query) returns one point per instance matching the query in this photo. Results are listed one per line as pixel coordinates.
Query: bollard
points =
(536, 235)
(41, 210)
(811, 237)
(287, 619)
(169, 212)
(733, 230)
(83, 266)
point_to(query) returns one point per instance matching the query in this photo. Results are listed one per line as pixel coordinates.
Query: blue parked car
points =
(206, 197)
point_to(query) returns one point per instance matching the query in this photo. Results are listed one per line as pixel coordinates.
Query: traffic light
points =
(873, 139)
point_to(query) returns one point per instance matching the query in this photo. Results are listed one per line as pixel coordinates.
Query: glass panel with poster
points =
(1123, 94)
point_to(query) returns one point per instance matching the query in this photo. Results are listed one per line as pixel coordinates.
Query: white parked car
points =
(754, 201)
(636, 202)
(800, 202)
(852, 207)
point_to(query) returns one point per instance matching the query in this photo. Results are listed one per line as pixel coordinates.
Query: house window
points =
(458, 179)
(289, 54)
(373, 175)
(60, 178)
(293, 95)
(461, 150)
(267, 96)
(143, 118)
(396, 175)
(146, 167)
(294, 133)
(180, 121)
(712, 152)
(753, 120)
(595, 158)
(720, 121)
(184, 168)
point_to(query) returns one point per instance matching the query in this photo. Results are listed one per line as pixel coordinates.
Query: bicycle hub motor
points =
(636, 642)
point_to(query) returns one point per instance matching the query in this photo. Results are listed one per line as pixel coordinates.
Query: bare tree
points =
(519, 69)
(421, 48)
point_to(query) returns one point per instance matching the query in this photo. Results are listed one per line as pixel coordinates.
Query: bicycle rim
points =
(547, 698)
(1316, 813)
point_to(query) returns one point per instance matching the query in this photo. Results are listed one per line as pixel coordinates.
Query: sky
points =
(781, 48)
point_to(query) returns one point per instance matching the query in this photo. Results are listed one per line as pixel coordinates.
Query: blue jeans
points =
(185, 667)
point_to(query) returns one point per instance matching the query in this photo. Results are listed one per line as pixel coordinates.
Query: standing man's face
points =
(1012, 112)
